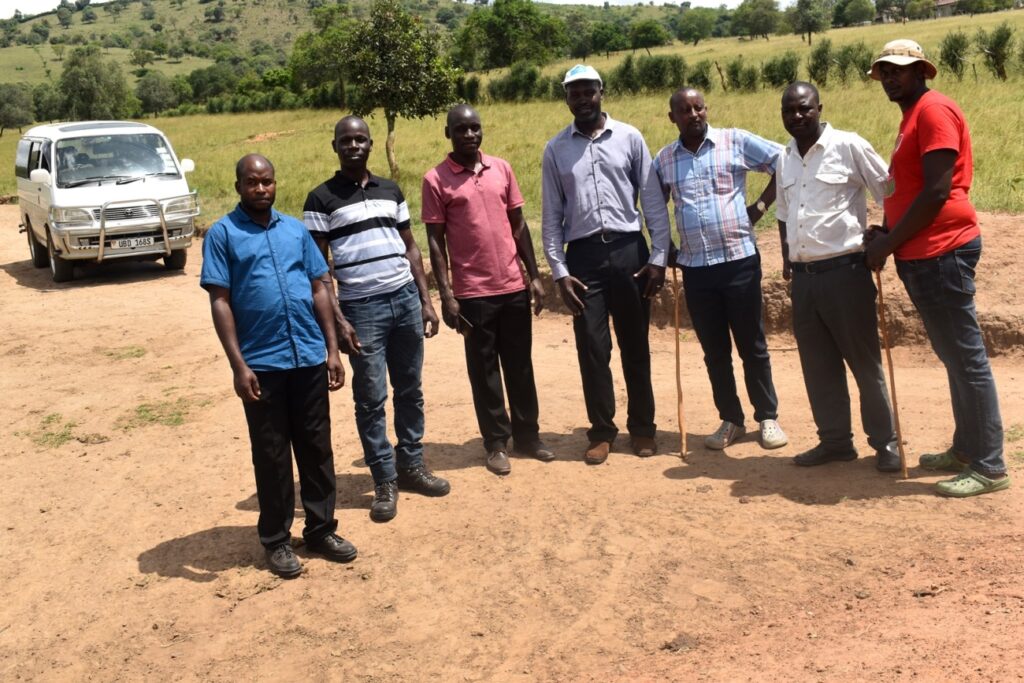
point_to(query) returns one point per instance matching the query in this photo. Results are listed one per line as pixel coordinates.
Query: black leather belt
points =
(828, 264)
(605, 237)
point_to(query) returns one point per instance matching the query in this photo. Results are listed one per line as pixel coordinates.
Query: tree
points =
(58, 50)
(920, 9)
(608, 37)
(507, 32)
(94, 88)
(577, 28)
(64, 15)
(47, 102)
(854, 12)
(141, 58)
(15, 106)
(996, 48)
(696, 24)
(810, 17)
(648, 33)
(88, 15)
(156, 93)
(953, 52)
(318, 56)
(396, 65)
(755, 18)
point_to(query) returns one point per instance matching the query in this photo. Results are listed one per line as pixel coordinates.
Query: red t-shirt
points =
(474, 208)
(934, 122)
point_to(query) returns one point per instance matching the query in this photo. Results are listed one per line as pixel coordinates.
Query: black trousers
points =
(724, 298)
(499, 343)
(607, 270)
(293, 412)
(835, 320)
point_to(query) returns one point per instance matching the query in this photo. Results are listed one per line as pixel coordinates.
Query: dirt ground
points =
(127, 521)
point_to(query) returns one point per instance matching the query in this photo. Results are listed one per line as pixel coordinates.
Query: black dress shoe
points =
(538, 451)
(334, 548)
(385, 502)
(819, 455)
(888, 459)
(282, 561)
(421, 480)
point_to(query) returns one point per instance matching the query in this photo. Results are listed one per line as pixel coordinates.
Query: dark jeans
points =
(502, 333)
(390, 329)
(293, 412)
(607, 271)
(835, 320)
(724, 297)
(942, 289)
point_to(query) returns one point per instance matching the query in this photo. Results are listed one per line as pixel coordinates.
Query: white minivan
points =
(100, 190)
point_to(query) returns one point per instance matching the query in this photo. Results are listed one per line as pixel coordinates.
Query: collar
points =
(239, 216)
(610, 125)
(345, 180)
(456, 167)
(710, 135)
(823, 141)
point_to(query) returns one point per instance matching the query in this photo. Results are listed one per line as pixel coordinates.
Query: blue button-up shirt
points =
(709, 191)
(591, 186)
(269, 272)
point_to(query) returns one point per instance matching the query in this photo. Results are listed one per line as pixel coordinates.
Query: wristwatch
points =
(761, 206)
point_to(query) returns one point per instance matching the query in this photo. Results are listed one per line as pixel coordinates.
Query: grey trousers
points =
(835, 320)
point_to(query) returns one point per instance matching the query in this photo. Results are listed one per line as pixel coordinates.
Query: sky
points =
(7, 7)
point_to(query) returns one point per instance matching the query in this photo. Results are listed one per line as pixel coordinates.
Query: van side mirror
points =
(39, 175)
(187, 165)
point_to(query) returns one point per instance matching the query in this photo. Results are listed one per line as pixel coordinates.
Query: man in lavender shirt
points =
(594, 173)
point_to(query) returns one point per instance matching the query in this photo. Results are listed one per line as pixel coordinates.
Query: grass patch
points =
(125, 352)
(1014, 433)
(1017, 457)
(167, 413)
(53, 431)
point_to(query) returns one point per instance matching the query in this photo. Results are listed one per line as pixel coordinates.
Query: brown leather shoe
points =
(597, 452)
(497, 462)
(644, 446)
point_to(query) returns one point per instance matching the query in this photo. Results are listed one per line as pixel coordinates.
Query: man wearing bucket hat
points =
(931, 228)
(594, 172)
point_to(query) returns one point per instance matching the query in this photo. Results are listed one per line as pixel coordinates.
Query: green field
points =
(298, 142)
(38, 64)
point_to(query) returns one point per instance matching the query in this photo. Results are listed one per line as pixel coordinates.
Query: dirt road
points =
(127, 525)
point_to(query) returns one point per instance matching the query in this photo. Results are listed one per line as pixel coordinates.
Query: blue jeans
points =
(390, 329)
(942, 289)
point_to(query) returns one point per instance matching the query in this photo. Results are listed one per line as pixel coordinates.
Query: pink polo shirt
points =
(474, 208)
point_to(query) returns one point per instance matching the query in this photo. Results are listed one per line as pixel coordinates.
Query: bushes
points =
(996, 48)
(700, 76)
(856, 57)
(519, 85)
(953, 53)
(647, 74)
(819, 62)
(742, 76)
(781, 70)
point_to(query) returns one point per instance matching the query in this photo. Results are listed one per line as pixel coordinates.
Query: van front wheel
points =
(176, 261)
(61, 269)
(36, 250)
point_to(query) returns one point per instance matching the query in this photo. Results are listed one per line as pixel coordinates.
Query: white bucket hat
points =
(902, 52)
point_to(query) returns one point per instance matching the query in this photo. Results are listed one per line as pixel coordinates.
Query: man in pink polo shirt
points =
(473, 211)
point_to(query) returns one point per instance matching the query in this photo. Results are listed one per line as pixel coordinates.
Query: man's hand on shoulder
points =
(247, 385)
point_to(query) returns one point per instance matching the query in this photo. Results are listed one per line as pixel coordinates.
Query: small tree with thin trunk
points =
(395, 64)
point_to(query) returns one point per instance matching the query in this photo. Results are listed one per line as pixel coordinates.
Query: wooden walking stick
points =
(679, 381)
(892, 377)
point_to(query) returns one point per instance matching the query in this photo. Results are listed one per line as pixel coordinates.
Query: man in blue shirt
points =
(705, 173)
(274, 319)
(594, 173)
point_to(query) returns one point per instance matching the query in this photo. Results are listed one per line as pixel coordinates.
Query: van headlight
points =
(181, 207)
(64, 218)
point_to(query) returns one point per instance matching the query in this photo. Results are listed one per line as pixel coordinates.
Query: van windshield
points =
(113, 158)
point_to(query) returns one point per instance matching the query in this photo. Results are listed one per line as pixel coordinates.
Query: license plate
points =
(131, 243)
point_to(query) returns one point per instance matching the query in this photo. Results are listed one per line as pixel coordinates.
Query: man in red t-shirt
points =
(932, 229)
(473, 211)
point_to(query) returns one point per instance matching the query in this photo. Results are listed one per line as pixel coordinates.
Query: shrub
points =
(468, 89)
(953, 53)
(856, 57)
(781, 70)
(520, 84)
(623, 78)
(996, 48)
(700, 76)
(819, 62)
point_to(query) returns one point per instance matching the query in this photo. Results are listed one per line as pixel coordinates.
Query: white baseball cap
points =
(582, 72)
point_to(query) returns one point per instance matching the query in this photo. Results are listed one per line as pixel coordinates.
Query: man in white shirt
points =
(823, 178)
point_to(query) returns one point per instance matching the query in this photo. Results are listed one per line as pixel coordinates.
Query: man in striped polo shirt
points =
(383, 314)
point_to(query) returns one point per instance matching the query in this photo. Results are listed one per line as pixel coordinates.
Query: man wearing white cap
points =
(931, 228)
(594, 173)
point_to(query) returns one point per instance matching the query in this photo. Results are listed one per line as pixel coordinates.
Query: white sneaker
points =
(772, 435)
(726, 434)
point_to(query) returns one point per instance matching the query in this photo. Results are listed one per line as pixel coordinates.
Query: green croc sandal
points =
(942, 461)
(970, 483)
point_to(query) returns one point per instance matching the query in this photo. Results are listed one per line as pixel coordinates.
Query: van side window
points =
(33, 156)
(44, 157)
(21, 159)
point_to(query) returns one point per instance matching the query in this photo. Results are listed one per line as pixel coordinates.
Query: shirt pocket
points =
(788, 184)
(834, 189)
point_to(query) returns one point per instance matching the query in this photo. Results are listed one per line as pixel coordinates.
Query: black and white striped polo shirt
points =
(362, 224)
